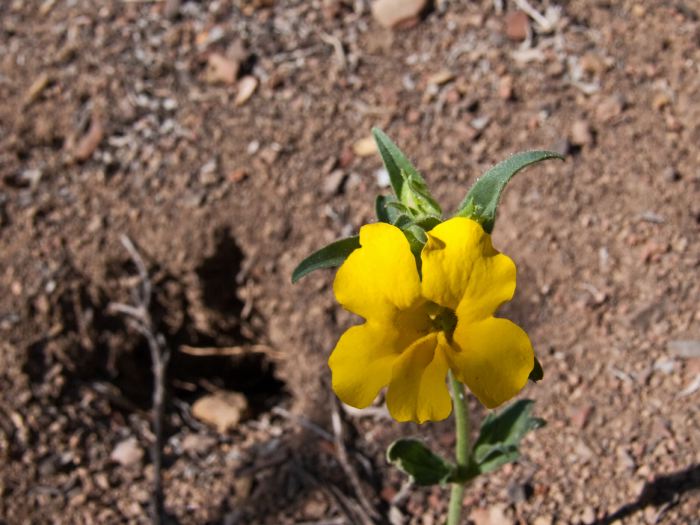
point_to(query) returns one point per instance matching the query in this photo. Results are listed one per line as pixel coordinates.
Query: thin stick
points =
(366, 506)
(524, 5)
(142, 321)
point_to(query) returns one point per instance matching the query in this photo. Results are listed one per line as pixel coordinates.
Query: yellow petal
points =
(493, 357)
(361, 363)
(417, 391)
(380, 278)
(462, 271)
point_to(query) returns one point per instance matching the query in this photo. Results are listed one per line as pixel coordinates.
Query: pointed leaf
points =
(381, 207)
(415, 459)
(427, 223)
(328, 257)
(481, 203)
(397, 209)
(501, 433)
(497, 457)
(394, 160)
(415, 195)
(407, 182)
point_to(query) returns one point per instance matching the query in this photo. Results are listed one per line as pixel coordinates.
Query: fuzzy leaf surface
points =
(329, 256)
(481, 203)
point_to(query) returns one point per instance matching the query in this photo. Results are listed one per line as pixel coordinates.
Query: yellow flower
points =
(415, 330)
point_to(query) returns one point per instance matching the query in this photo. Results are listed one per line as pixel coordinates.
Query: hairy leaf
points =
(407, 182)
(501, 433)
(415, 459)
(327, 257)
(481, 203)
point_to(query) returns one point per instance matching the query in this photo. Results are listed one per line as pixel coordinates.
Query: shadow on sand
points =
(664, 491)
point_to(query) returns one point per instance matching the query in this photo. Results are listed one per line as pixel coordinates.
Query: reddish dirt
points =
(114, 120)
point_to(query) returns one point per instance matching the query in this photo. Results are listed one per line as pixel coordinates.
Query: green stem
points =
(462, 451)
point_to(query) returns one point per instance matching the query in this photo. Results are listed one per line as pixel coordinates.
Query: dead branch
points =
(368, 512)
(139, 318)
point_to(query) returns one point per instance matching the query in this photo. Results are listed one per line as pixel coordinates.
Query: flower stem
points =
(462, 452)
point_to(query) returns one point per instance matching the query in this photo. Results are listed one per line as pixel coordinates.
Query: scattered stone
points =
(691, 388)
(505, 87)
(581, 416)
(671, 174)
(650, 216)
(653, 250)
(660, 101)
(383, 179)
(127, 452)
(543, 520)
(397, 13)
(253, 147)
(25, 179)
(588, 515)
(581, 134)
(610, 108)
(246, 87)
(346, 157)
(88, 143)
(221, 70)
(664, 365)
(592, 64)
(333, 183)
(222, 410)
(625, 458)
(685, 348)
(519, 492)
(208, 174)
(364, 147)
(197, 443)
(171, 9)
(562, 146)
(238, 175)
(37, 88)
(480, 123)
(492, 516)
(517, 26)
(673, 124)
(441, 77)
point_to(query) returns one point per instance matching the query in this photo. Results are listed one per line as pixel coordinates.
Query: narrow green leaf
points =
(498, 456)
(415, 459)
(407, 182)
(417, 196)
(394, 161)
(397, 209)
(501, 433)
(537, 373)
(428, 222)
(481, 203)
(381, 208)
(327, 257)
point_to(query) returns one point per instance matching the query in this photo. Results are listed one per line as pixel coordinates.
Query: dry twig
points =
(140, 319)
(369, 513)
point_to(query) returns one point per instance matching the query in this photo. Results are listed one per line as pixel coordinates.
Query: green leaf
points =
(498, 456)
(415, 459)
(328, 257)
(481, 203)
(428, 222)
(407, 182)
(415, 194)
(386, 208)
(537, 373)
(501, 433)
(396, 209)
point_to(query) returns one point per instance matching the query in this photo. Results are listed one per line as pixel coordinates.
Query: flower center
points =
(443, 319)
